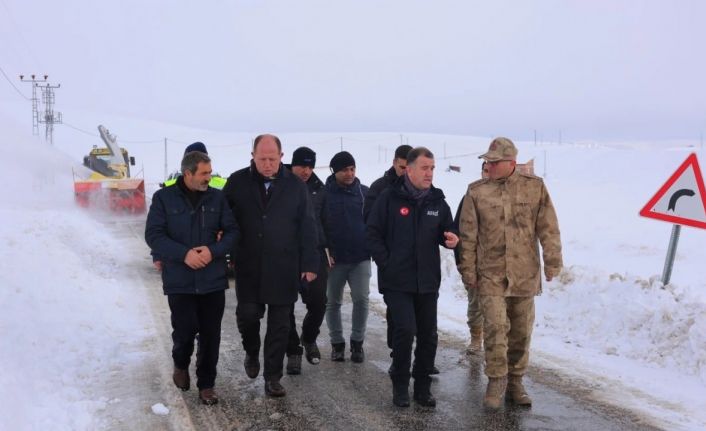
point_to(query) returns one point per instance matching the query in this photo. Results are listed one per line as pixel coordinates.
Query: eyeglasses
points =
(495, 163)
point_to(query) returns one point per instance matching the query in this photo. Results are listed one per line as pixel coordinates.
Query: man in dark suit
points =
(277, 251)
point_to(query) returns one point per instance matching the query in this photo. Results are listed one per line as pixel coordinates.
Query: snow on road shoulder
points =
(69, 316)
(639, 344)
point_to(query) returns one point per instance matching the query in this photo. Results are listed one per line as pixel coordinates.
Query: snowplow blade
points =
(123, 195)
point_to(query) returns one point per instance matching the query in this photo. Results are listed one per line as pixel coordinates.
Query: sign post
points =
(681, 201)
(671, 252)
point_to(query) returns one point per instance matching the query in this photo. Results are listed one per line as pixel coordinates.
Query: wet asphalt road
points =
(348, 396)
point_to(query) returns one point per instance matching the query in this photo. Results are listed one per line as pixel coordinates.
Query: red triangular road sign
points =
(682, 199)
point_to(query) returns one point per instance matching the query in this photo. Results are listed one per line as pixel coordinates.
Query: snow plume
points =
(68, 319)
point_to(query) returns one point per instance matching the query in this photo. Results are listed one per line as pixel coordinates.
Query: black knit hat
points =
(402, 151)
(304, 156)
(341, 161)
(196, 146)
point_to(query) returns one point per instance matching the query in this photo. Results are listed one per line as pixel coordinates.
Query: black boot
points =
(400, 391)
(338, 352)
(312, 353)
(273, 388)
(422, 392)
(294, 364)
(357, 353)
(434, 370)
(252, 365)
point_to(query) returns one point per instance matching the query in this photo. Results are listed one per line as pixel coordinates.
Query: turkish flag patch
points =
(404, 211)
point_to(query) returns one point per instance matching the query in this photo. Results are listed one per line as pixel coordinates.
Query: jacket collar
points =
(333, 185)
(509, 180)
(400, 190)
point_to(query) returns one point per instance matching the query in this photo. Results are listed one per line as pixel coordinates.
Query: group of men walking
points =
(290, 234)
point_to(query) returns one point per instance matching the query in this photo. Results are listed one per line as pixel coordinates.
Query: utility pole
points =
(341, 143)
(49, 118)
(559, 136)
(535, 137)
(35, 101)
(545, 165)
(165, 160)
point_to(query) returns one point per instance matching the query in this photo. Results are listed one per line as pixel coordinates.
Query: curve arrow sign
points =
(675, 197)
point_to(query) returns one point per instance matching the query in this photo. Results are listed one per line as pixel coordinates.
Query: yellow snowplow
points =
(109, 184)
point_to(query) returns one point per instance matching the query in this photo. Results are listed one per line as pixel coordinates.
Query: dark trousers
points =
(315, 300)
(248, 315)
(390, 328)
(202, 314)
(412, 315)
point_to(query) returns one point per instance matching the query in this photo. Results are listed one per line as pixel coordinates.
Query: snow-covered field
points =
(70, 318)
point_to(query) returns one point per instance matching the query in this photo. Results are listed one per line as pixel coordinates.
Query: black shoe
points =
(294, 364)
(208, 396)
(425, 399)
(312, 353)
(338, 352)
(181, 379)
(252, 365)
(357, 353)
(400, 395)
(274, 389)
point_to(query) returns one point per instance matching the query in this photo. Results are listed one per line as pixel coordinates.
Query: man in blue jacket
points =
(350, 259)
(182, 228)
(406, 226)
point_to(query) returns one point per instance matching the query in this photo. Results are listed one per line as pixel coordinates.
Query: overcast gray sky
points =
(592, 69)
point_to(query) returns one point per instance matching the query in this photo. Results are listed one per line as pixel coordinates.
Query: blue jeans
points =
(358, 277)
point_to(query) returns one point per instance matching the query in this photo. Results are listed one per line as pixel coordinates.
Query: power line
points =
(19, 33)
(13, 85)
(80, 130)
(242, 144)
(128, 141)
(146, 141)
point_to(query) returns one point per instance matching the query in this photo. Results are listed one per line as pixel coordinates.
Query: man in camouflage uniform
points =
(503, 220)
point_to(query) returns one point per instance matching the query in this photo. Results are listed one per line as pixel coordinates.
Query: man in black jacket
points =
(314, 293)
(399, 165)
(405, 228)
(183, 227)
(277, 251)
